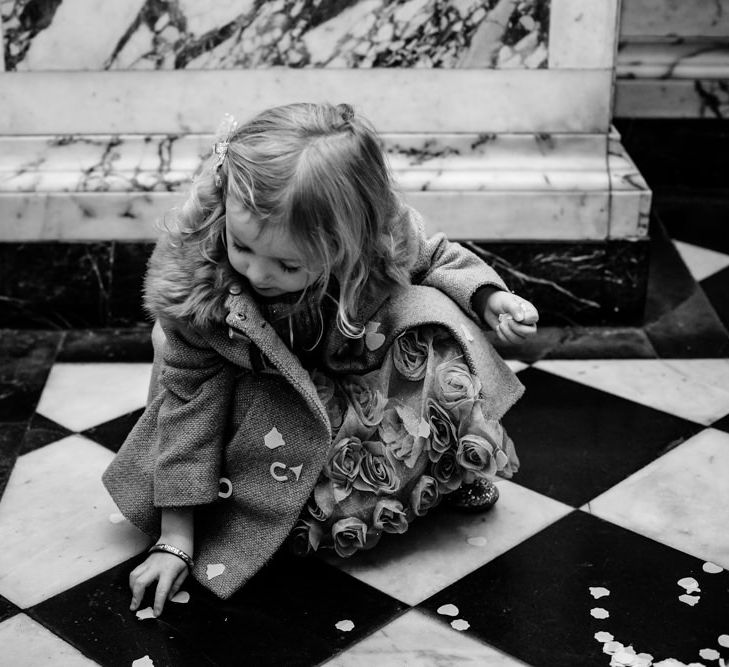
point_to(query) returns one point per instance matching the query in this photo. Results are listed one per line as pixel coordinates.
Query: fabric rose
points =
(477, 455)
(351, 534)
(504, 454)
(424, 495)
(389, 516)
(305, 537)
(442, 430)
(321, 502)
(410, 355)
(378, 473)
(399, 431)
(455, 386)
(333, 401)
(507, 461)
(343, 466)
(366, 398)
(447, 472)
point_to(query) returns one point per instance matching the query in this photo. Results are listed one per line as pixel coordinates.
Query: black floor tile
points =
(534, 601)
(7, 609)
(722, 424)
(11, 442)
(716, 288)
(697, 218)
(41, 432)
(576, 442)
(97, 345)
(112, 434)
(286, 615)
(26, 358)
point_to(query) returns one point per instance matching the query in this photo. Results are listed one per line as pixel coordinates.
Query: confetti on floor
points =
(182, 597)
(690, 600)
(690, 584)
(709, 654)
(599, 592)
(711, 568)
(599, 612)
(477, 541)
(612, 647)
(143, 614)
(723, 640)
(345, 626)
(117, 517)
(603, 637)
(460, 624)
(214, 570)
(448, 610)
(146, 661)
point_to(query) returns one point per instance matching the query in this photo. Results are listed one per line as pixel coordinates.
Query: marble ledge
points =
(673, 60)
(671, 98)
(437, 100)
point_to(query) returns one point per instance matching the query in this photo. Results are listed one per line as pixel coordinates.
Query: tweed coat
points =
(245, 447)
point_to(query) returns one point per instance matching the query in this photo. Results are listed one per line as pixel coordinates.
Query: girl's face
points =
(267, 257)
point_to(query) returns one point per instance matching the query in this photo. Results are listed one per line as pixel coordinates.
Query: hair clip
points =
(220, 148)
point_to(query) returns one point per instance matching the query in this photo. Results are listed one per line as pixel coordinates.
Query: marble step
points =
(478, 186)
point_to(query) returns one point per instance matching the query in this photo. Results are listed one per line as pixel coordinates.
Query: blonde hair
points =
(318, 171)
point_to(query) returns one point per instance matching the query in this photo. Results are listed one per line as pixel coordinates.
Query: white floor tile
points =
(695, 389)
(701, 262)
(26, 643)
(417, 640)
(516, 366)
(55, 530)
(79, 396)
(681, 499)
(435, 551)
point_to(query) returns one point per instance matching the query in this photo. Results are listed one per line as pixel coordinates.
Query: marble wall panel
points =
(214, 34)
(672, 98)
(646, 60)
(669, 19)
(60, 286)
(426, 101)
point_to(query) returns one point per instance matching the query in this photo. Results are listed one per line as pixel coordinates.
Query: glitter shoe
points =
(480, 496)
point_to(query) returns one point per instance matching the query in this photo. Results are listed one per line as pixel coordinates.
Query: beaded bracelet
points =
(168, 548)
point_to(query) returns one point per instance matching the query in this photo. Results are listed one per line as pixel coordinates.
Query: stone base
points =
(95, 285)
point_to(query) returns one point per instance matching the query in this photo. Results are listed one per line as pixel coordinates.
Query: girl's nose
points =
(257, 271)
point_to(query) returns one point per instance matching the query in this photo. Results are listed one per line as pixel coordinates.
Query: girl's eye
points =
(240, 248)
(290, 269)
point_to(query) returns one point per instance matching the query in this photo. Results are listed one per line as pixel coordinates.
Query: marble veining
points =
(674, 60)
(187, 34)
(672, 98)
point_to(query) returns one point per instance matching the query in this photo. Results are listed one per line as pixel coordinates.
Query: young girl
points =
(319, 359)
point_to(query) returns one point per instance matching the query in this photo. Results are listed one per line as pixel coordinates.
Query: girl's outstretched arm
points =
(168, 570)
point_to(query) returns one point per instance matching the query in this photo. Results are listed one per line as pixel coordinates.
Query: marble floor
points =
(610, 547)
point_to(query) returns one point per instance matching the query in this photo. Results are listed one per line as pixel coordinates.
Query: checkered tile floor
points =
(610, 547)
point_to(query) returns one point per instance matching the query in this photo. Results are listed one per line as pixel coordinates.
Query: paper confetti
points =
(723, 640)
(273, 439)
(181, 597)
(297, 471)
(146, 661)
(345, 626)
(214, 570)
(477, 541)
(599, 612)
(279, 477)
(690, 584)
(599, 592)
(448, 610)
(460, 625)
(709, 654)
(467, 333)
(373, 340)
(143, 614)
(711, 568)
(603, 636)
(690, 600)
(116, 517)
(226, 487)
(612, 647)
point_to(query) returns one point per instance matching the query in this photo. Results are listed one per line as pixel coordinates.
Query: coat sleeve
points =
(449, 267)
(195, 389)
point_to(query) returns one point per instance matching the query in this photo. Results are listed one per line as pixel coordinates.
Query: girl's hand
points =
(512, 318)
(167, 570)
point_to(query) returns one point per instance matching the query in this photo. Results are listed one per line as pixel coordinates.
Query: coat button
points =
(237, 335)
(235, 288)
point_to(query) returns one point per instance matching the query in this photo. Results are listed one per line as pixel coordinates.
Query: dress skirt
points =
(404, 436)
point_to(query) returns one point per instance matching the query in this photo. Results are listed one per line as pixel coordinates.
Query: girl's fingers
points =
(177, 584)
(138, 585)
(505, 333)
(163, 590)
